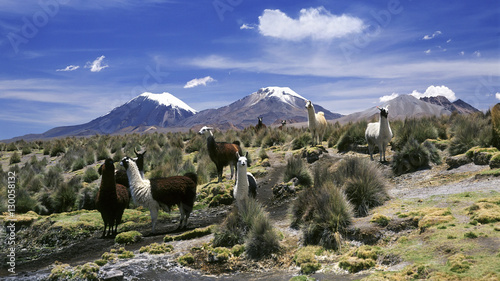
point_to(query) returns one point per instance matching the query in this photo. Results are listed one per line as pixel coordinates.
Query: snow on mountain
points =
(168, 99)
(272, 103)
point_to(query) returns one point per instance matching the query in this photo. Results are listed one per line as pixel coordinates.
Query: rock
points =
(312, 153)
(457, 161)
(482, 158)
(113, 275)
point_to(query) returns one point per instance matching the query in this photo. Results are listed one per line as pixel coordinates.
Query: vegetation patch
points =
(157, 248)
(380, 219)
(306, 259)
(186, 260)
(128, 237)
(485, 210)
(62, 271)
(188, 235)
(459, 263)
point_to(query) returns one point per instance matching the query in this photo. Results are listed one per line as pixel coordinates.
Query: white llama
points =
(317, 123)
(379, 134)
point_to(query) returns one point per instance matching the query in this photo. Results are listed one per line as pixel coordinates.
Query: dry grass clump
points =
(362, 183)
(248, 224)
(485, 210)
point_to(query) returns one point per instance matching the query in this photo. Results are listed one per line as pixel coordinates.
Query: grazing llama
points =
(379, 134)
(317, 123)
(221, 153)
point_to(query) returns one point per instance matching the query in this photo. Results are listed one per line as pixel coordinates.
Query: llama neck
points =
(108, 184)
(242, 179)
(138, 186)
(311, 115)
(384, 125)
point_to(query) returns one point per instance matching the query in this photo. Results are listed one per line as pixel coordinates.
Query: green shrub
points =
(15, 158)
(157, 248)
(128, 237)
(248, 223)
(419, 129)
(261, 240)
(495, 124)
(362, 182)
(263, 154)
(186, 259)
(468, 131)
(495, 161)
(301, 141)
(296, 167)
(57, 148)
(78, 164)
(26, 150)
(90, 175)
(414, 156)
(354, 135)
(323, 212)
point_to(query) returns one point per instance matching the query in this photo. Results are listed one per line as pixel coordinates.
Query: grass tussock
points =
(297, 168)
(323, 213)
(362, 182)
(248, 224)
(414, 156)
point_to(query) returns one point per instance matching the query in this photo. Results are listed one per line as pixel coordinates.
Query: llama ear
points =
(246, 155)
(237, 154)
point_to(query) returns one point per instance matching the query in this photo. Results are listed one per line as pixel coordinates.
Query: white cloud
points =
(199, 81)
(69, 68)
(427, 51)
(246, 26)
(316, 23)
(97, 65)
(429, 37)
(434, 91)
(477, 54)
(462, 53)
(497, 96)
(388, 97)
(448, 41)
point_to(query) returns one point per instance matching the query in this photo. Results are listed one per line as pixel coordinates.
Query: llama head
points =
(106, 167)
(205, 129)
(139, 154)
(126, 161)
(242, 160)
(309, 104)
(260, 119)
(384, 111)
(283, 122)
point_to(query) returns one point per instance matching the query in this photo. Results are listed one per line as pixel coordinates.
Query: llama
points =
(282, 126)
(162, 192)
(260, 125)
(317, 123)
(379, 134)
(221, 153)
(246, 185)
(111, 200)
(121, 175)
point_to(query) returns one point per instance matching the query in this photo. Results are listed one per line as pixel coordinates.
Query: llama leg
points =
(381, 150)
(370, 150)
(231, 166)
(154, 215)
(181, 220)
(104, 230)
(219, 173)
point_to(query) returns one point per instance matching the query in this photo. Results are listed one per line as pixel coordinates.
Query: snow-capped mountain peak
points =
(168, 99)
(284, 94)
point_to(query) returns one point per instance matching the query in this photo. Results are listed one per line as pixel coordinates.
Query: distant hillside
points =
(272, 104)
(145, 112)
(399, 108)
(459, 105)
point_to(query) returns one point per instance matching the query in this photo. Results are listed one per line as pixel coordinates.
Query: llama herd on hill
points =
(155, 193)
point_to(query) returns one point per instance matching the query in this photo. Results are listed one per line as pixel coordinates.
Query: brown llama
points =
(221, 153)
(111, 200)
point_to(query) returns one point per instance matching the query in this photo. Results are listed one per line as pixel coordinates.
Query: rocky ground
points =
(437, 182)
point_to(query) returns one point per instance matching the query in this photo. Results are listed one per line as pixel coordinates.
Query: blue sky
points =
(66, 62)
